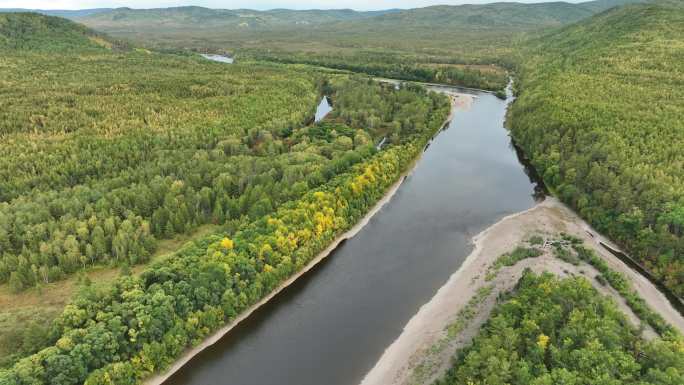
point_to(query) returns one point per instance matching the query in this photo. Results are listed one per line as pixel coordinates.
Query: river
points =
(332, 325)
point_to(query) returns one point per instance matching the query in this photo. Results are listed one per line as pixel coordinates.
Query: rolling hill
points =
(39, 32)
(497, 15)
(193, 17)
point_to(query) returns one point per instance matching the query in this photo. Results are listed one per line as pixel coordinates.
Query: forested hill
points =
(600, 114)
(502, 15)
(483, 16)
(194, 17)
(602, 5)
(31, 31)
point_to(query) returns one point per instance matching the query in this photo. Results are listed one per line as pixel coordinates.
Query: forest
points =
(96, 177)
(599, 114)
(110, 157)
(111, 147)
(551, 331)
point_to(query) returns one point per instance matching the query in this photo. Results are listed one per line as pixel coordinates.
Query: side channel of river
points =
(332, 325)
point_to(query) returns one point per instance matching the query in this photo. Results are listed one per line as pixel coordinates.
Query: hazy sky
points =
(252, 4)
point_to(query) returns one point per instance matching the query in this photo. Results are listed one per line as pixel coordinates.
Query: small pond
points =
(323, 109)
(219, 58)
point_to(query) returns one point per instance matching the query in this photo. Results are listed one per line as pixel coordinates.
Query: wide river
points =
(332, 325)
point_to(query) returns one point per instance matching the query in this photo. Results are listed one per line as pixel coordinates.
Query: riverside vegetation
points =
(561, 331)
(160, 156)
(551, 330)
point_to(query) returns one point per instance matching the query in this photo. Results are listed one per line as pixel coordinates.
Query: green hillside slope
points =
(31, 31)
(600, 114)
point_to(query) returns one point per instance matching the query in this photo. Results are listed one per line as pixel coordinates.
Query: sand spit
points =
(404, 361)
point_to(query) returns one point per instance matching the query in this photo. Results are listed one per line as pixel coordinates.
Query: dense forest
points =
(562, 331)
(103, 152)
(599, 113)
(116, 154)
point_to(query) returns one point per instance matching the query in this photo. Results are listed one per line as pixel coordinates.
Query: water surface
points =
(323, 109)
(333, 324)
(219, 58)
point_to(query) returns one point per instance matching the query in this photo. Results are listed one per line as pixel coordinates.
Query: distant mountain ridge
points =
(190, 16)
(501, 14)
(69, 14)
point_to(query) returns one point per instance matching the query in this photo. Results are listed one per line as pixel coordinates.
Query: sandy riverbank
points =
(457, 102)
(426, 329)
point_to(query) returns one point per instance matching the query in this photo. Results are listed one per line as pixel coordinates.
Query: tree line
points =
(394, 66)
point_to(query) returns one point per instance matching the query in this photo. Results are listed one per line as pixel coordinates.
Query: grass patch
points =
(510, 259)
